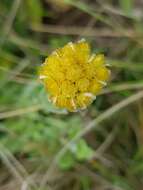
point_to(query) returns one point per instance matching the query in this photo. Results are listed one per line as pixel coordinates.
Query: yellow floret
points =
(52, 86)
(98, 60)
(102, 73)
(83, 84)
(83, 100)
(73, 77)
(82, 52)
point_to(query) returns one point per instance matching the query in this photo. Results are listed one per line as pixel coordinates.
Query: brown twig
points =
(77, 30)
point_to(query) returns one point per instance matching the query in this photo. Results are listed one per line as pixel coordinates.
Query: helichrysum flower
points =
(73, 77)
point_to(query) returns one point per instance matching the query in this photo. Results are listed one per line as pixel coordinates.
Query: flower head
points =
(73, 77)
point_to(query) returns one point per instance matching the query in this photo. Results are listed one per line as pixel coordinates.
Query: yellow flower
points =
(73, 77)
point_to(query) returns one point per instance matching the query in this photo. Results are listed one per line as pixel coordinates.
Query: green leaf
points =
(121, 182)
(34, 10)
(126, 6)
(83, 151)
(67, 161)
(85, 182)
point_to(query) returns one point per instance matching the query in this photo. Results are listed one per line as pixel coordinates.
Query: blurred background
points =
(44, 148)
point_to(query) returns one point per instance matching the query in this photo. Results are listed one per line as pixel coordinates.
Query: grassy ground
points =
(44, 148)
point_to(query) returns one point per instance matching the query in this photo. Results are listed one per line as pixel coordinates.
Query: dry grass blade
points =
(103, 147)
(124, 86)
(20, 111)
(77, 30)
(15, 167)
(10, 166)
(10, 20)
